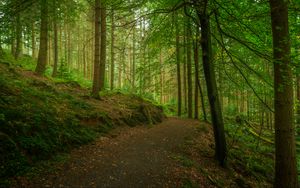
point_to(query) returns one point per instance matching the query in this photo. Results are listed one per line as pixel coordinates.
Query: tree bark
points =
(161, 78)
(133, 58)
(18, 51)
(33, 40)
(69, 47)
(55, 43)
(13, 39)
(112, 71)
(178, 69)
(1, 49)
(285, 147)
(196, 59)
(202, 100)
(103, 45)
(189, 71)
(298, 105)
(42, 57)
(96, 83)
(55, 65)
(212, 92)
(184, 72)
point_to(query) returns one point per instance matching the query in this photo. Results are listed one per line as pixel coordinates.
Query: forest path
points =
(134, 157)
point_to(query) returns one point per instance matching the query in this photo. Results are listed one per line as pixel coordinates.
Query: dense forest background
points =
(157, 50)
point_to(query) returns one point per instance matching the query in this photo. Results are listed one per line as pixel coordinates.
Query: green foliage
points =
(185, 161)
(170, 108)
(247, 151)
(231, 110)
(65, 74)
(40, 118)
(63, 71)
(188, 183)
(27, 62)
(36, 121)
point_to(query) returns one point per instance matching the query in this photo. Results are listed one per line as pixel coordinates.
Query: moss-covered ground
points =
(41, 118)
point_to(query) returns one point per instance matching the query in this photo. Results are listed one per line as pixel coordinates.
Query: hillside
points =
(53, 133)
(40, 117)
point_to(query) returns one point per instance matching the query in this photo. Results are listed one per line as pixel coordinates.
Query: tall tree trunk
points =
(112, 71)
(84, 62)
(49, 62)
(69, 47)
(65, 44)
(33, 40)
(103, 45)
(285, 147)
(96, 83)
(298, 104)
(178, 68)
(196, 59)
(212, 92)
(189, 71)
(184, 72)
(1, 49)
(18, 51)
(13, 45)
(42, 57)
(133, 59)
(55, 42)
(143, 60)
(202, 99)
(161, 77)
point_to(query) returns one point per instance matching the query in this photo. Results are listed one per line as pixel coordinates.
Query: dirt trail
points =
(134, 157)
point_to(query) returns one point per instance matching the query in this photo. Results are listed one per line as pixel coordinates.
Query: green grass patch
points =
(184, 161)
(37, 121)
(40, 118)
(188, 183)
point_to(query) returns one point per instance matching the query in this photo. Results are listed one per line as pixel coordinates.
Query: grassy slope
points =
(40, 117)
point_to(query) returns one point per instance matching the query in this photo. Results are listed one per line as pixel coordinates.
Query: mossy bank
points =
(40, 117)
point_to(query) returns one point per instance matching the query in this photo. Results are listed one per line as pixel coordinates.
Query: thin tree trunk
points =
(184, 72)
(18, 51)
(13, 39)
(42, 57)
(215, 107)
(33, 40)
(189, 71)
(178, 68)
(96, 85)
(196, 59)
(49, 45)
(112, 71)
(103, 45)
(298, 105)
(120, 71)
(133, 59)
(54, 73)
(65, 44)
(55, 42)
(285, 147)
(202, 100)
(84, 62)
(69, 47)
(161, 77)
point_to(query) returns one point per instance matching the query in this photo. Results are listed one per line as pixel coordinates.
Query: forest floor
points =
(174, 153)
(53, 134)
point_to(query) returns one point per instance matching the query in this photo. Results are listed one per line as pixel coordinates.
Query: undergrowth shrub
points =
(253, 155)
(33, 126)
